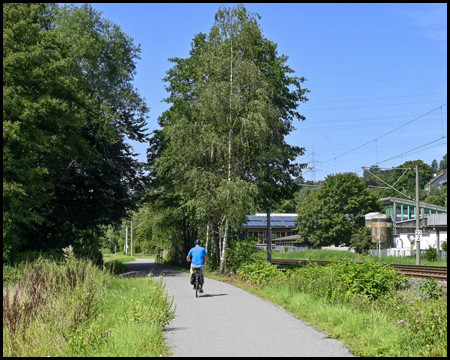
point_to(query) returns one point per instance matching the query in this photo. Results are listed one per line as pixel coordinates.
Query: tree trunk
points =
(230, 137)
(207, 239)
(215, 246)
(224, 248)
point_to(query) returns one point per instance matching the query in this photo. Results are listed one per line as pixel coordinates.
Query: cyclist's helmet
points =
(197, 242)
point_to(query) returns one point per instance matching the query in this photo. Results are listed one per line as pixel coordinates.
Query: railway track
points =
(416, 271)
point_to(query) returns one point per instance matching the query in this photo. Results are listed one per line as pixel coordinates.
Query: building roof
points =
(433, 221)
(286, 238)
(439, 179)
(276, 220)
(391, 200)
(370, 215)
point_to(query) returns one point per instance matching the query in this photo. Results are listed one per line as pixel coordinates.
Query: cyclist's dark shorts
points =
(202, 270)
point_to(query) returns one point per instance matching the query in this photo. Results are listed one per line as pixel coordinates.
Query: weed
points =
(432, 289)
(70, 309)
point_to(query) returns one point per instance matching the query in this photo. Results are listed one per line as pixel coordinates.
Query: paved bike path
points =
(228, 321)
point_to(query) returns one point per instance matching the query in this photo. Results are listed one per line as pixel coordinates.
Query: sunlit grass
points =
(340, 255)
(76, 309)
(399, 323)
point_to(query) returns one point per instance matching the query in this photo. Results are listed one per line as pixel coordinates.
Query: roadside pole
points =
(418, 237)
(126, 240)
(269, 238)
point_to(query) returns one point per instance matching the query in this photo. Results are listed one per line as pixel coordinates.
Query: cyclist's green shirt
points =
(197, 254)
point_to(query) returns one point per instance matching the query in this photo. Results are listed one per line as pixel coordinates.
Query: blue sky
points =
(377, 74)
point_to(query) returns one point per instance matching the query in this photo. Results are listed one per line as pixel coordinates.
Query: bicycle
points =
(196, 280)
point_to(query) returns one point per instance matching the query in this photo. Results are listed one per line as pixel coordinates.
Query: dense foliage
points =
(239, 252)
(221, 150)
(404, 180)
(258, 272)
(333, 214)
(370, 307)
(361, 240)
(68, 108)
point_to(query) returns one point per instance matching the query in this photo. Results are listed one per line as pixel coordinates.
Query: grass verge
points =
(336, 255)
(400, 322)
(76, 309)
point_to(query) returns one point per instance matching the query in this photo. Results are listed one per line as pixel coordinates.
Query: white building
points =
(432, 223)
(434, 232)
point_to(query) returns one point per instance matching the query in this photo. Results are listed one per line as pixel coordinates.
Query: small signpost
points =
(418, 235)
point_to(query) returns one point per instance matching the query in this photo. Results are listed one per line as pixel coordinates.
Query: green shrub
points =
(369, 278)
(432, 288)
(258, 272)
(239, 251)
(430, 254)
(342, 281)
(361, 241)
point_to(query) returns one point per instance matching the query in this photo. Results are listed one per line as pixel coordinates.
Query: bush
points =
(239, 252)
(430, 254)
(361, 241)
(342, 281)
(444, 246)
(258, 272)
(368, 278)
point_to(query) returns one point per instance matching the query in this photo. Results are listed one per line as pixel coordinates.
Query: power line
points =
(381, 98)
(365, 106)
(409, 122)
(412, 121)
(366, 83)
(368, 118)
(410, 153)
(352, 126)
(359, 71)
(412, 150)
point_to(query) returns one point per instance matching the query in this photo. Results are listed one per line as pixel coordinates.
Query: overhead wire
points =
(389, 132)
(381, 98)
(431, 142)
(408, 152)
(365, 106)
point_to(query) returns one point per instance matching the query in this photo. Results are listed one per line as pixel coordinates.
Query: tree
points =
(333, 214)
(222, 141)
(41, 136)
(443, 163)
(405, 180)
(437, 197)
(361, 240)
(434, 166)
(68, 107)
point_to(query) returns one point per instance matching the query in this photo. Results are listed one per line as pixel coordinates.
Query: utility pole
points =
(418, 235)
(126, 240)
(131, 237)
(269, 238)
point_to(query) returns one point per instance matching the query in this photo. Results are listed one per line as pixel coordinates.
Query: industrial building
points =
(399, 237)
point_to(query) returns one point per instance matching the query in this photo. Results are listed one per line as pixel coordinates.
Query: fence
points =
(403, 253)
(283, 248)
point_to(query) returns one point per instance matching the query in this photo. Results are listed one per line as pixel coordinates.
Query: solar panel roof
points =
(275, 220)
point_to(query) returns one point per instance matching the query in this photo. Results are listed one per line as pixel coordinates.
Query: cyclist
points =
(197, 257)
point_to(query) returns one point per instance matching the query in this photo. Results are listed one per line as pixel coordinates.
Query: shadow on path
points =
(211, 295)
(138, 268)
